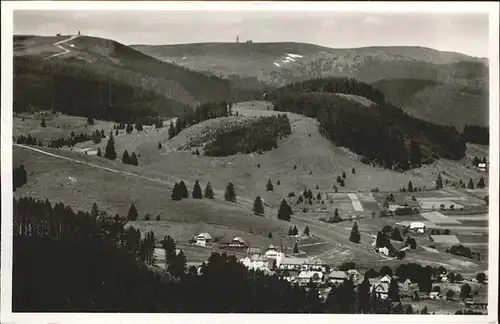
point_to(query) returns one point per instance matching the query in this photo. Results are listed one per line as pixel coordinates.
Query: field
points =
(303, 160)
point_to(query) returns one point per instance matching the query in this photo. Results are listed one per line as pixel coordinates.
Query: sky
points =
(458, 32)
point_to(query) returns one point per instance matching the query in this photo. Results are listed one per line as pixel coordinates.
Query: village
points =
(313, 272)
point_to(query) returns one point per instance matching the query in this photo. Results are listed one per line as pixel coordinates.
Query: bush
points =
(348, 265)
(291, 194)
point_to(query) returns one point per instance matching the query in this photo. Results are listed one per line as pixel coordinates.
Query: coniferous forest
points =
(381, 133)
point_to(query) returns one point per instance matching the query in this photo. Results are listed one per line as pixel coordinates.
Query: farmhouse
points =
(255, 262)
(337, 277)
(417, 227)
(203, 238)
(237, 242)
(380, 289)
(353, 274)
(307, 276)
(383, 250)
(482, 167)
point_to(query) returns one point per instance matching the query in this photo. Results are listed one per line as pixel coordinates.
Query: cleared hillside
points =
(96, 65)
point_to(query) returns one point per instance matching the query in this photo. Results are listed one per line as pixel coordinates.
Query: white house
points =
(273, 254)
(383, 250)
(434, 295)
(482, 166)
(306, 276)
(203, 238)
(256, 262)
(353, 274)
(418, 227)
(237, 242)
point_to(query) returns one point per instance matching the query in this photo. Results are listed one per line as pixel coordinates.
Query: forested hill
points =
(94, 69)
(382, 133)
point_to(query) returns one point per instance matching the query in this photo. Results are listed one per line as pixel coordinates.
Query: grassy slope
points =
(150, 191)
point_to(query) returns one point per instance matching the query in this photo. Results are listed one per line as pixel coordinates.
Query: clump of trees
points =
(261, 134)
(130, 159)
(285, 212)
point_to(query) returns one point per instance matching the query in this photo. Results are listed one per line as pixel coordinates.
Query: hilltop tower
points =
(237, 39)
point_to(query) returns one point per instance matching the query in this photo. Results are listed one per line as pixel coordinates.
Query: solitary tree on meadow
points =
(133, 159)
(110, 152)
(183, 190)
(230, 194)
(132, 213)
(176, 195)
(470, 185)
(439, 181)
(269, 185)
(355, 235)
(285, 212)
(209, 192)
(160, 146)
(258, 206)
(197, 194)
(125, 158)
(99, 151)
(480, 183)
(307, 231)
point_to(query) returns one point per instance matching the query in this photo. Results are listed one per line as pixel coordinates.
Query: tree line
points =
(199, 114)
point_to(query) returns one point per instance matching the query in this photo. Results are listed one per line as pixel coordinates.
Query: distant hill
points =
(459, 82)
(92, 65)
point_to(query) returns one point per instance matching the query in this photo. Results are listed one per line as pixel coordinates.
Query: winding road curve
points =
(58, 45)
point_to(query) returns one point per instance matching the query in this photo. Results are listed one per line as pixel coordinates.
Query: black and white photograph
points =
(250, 158)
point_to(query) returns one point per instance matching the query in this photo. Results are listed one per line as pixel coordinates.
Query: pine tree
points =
(336, 216)
(138, 126)
(134, 160)
(480, 183)
(230, 194)
(393, 293)
(410, 186)
(102, 133)
(132, 213)
(258, 206)
(285, 211)
(353, 170)
(290, 231)
(99, 151)
(110, 152)
(95, 211)
(176, 195)
(307, 231)
(125, 158)
(484, 160)
(295, 231)
(171, 131)
(439, 181)
(197, 194)
(160, 146)
(470, 185)
(116, 132)
(343, 174)
(209, 192)
(318, 196)
(296, 248)
(355, 235)
(183, 190)
(396, 235)
(90, 120)
(269, 185)
(129, 129)
(475, 161)
(43, 123)
(270, 235)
